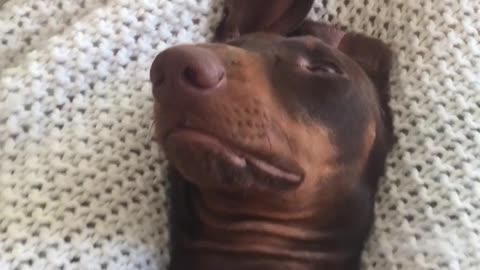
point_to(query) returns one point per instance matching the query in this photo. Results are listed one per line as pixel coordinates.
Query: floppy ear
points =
(371, 54)
(248, 16)
(375, 57)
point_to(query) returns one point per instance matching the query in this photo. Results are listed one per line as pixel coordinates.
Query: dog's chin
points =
(211, 163)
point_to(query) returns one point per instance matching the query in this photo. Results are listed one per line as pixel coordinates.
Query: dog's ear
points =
(371, 54)
(248, 16)
(375, 58)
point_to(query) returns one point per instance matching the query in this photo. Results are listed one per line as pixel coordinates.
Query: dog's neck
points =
(267, 228)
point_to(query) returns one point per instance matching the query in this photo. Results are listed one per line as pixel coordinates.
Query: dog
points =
(276, 133)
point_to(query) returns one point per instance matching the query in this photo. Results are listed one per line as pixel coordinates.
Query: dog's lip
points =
(290, 174)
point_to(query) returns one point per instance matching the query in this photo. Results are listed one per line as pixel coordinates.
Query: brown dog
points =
(277, 135)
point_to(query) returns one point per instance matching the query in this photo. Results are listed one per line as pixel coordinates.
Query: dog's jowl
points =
(276, 135)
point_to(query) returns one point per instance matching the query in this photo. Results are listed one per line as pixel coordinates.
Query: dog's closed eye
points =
(327, 67)
(324, 67)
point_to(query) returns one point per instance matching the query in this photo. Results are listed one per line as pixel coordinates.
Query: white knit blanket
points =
(82, 185)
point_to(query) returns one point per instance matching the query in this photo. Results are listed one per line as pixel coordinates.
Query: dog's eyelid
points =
(324, 66)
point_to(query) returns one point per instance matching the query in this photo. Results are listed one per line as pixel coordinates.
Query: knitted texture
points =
(82, 184)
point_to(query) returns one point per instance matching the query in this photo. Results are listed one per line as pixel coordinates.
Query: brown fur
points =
(305, 98)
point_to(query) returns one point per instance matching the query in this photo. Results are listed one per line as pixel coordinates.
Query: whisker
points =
(285, 136)
(268, 138)
(152, 132)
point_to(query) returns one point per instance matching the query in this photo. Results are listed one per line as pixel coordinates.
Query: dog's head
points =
(275, 104)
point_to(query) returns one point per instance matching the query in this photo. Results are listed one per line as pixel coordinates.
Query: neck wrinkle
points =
(239, 233)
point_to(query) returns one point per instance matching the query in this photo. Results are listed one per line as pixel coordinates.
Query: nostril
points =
(158, 78)
(203, 77)
(191, 76)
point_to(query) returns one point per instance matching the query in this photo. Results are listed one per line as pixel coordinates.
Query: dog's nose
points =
(187, 68)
